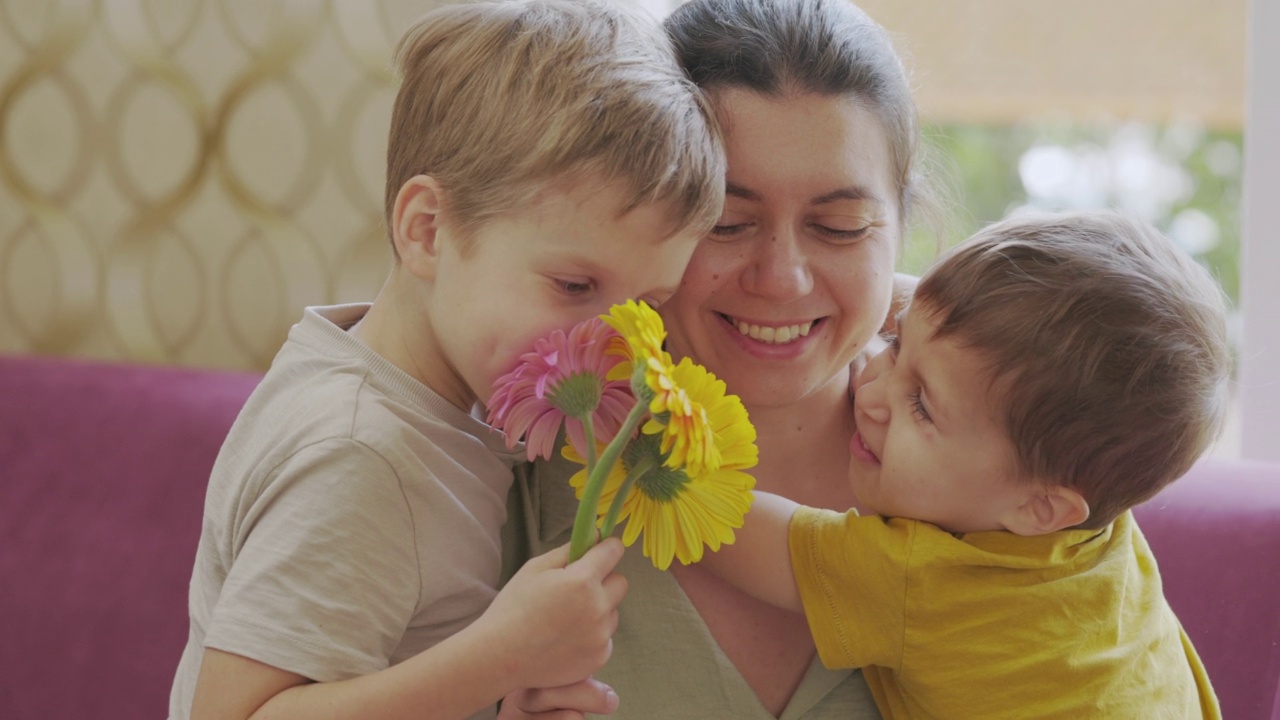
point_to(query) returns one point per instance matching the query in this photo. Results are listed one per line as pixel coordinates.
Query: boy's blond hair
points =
(1106, 344)
(499, 100)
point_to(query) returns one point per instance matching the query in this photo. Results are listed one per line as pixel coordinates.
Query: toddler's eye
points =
(918, 409)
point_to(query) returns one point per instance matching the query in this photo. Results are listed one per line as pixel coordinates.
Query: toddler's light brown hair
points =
(1106, 345)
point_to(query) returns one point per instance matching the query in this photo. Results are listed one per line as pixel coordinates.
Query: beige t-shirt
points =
(352, 519)
(665, 663)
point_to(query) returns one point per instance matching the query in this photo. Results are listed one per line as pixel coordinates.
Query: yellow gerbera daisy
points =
(681, 396)
(681, 512)
(674, 389)
(642, 335)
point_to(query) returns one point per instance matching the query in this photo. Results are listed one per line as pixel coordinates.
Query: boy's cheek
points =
(500, 361)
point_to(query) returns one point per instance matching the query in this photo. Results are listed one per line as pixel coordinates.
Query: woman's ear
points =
(416, 219)
(1048, 508)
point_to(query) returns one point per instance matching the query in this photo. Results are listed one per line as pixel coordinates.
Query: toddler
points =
(1048, 375)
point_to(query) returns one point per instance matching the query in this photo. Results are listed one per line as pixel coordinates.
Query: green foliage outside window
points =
(1183, 178)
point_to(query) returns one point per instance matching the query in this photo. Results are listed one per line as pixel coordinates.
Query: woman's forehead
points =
(816, 146)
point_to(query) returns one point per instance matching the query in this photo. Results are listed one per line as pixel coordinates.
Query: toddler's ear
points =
(415, 224)
(1048, 509)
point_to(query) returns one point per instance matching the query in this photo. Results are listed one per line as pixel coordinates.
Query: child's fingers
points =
(615, 588)
(585, 696)
(601, 559)
(556, 558)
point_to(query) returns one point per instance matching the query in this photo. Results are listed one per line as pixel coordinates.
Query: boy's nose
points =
(779, 269)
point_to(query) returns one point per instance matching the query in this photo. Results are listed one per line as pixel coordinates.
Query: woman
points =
(791, 285)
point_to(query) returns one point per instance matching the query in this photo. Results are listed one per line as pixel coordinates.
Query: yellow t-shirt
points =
(995, 625)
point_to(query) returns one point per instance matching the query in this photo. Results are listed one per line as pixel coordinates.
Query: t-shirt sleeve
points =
(852, 576)
(325, 577)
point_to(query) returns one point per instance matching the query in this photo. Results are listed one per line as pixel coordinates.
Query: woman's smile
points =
(781, 339)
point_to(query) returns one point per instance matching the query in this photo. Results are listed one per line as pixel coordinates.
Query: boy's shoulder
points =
(326, 389)
(316, 386)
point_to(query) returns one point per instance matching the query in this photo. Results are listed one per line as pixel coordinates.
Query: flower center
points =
(577, 395)
(661, 483)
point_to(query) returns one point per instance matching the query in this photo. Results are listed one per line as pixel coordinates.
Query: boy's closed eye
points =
(575, 286)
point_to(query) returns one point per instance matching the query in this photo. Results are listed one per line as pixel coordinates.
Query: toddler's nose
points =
(870, 396)
(876, 411)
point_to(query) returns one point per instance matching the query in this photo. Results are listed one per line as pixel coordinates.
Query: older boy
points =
(546, 160)
(1049, 374)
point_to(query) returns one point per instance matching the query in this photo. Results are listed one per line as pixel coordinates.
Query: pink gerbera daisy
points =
(563, 379)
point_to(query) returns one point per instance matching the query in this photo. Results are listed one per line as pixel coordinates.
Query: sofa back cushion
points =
(103, 470)
(1216, 536)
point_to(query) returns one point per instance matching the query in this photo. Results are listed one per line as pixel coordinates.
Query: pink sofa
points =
(102, 476)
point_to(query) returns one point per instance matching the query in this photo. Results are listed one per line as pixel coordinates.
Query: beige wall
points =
(178, 179)
(999, 60)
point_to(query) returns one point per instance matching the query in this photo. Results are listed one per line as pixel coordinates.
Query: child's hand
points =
(570, 702)
(553, 624)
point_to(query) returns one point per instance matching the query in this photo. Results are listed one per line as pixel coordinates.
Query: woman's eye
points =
(728, 230)
(839, 234)
(894, 344)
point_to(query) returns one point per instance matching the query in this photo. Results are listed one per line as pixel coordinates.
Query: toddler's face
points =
(567, 257)
(928, 446)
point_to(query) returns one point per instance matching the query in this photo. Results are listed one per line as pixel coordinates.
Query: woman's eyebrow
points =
(740, 192)
(852, 192)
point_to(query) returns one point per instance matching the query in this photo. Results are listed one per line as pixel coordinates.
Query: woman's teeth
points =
(775, 335)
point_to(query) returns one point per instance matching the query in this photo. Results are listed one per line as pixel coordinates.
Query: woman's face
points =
(796, 276)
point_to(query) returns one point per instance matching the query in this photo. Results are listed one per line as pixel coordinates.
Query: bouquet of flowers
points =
(663, 447)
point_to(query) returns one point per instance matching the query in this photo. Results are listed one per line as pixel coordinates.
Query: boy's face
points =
(927, 445)
(567, 257)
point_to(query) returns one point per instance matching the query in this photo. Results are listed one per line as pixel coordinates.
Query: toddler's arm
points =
(759, 560)
(550, 626)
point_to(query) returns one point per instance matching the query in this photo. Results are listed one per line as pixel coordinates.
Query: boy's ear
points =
(415, 224)
(1049, 508)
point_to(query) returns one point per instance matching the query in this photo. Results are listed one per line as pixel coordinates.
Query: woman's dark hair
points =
(784, 47)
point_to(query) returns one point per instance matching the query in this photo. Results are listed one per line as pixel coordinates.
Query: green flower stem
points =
(588, 429)
(646, 464)
(584, 524)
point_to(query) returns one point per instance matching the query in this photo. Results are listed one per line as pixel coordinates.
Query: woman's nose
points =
(779, 268)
